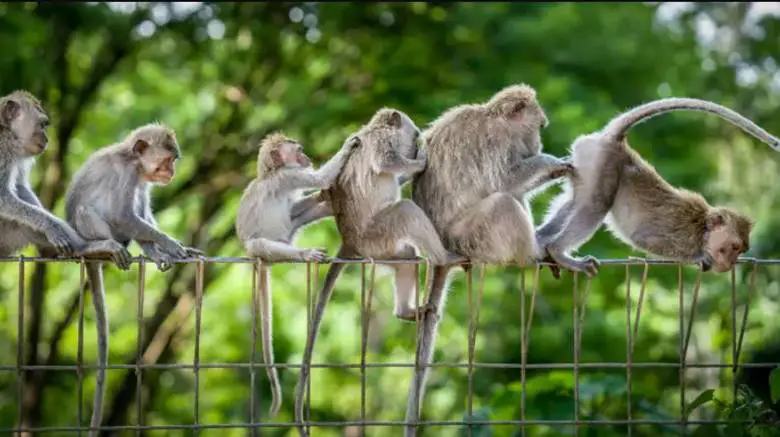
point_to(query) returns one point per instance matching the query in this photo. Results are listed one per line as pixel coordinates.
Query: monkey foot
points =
(588, 264)
(554, 269)
(414, 314)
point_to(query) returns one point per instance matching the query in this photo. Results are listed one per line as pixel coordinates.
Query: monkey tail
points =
(319, 310)
(95, 278)
(619, 126)
(426, 343)
(266, 318)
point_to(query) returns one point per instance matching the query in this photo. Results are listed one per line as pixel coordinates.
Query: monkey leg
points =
(497, 229)
(271, 250)
(584, 222)
(404, 295)
(100, 241)
(557, 217)
(404, 221)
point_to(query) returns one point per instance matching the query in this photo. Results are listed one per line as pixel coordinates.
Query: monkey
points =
(374, 221)
(108, 204)
(613, 184)
(485, 162)
(271, 212)
(23, 219)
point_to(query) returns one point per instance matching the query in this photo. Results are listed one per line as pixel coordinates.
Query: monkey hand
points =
(63, 241)
(173, 249)
(194, 252)
(564, 169)
(314, 255)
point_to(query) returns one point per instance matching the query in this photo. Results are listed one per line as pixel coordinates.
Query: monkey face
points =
(158, 162)
(724, 247)
(292, 155)
(29, 125)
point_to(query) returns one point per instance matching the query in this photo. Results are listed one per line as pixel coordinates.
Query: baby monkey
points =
(271, 212)
(612, 182)
(108, 203)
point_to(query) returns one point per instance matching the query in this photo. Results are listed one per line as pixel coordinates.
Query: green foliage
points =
(746, 416)
(223, 75)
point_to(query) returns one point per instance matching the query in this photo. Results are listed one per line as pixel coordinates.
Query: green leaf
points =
(774, 384)
(700, 400)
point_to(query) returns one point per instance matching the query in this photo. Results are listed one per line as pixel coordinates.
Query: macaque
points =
(108, 204)
(374, 221)
(23, 219)
(272, 211)
(484, 163)
(613, 184)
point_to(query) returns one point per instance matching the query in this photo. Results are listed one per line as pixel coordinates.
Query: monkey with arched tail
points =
(613, 184)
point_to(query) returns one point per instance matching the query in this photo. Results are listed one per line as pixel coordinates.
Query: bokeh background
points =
(225, 74)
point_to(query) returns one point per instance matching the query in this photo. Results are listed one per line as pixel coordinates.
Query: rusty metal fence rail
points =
(528, 301)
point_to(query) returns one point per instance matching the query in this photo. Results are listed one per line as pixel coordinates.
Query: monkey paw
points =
(414, 314)
(588, 264)
(120, 255)
(564, 170)
(60, 241)
(162, 261)
(194, 252)
(314, 255)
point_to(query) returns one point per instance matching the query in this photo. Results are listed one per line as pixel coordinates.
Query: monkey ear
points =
(715, 220)
(395, 119)
(354, 142)
(140, 147)
(276, 158)
(11, 110)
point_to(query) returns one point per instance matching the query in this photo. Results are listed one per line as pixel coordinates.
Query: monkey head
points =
(403, 132)
(21, 113)
(517, 105)
(727, 236)
(278, 151)
(157, 152)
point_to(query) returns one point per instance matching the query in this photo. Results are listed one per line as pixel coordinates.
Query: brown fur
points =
(484, 161)
(613, 183)
(373, 219)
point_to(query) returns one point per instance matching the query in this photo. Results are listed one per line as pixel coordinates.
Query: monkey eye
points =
(736, 247)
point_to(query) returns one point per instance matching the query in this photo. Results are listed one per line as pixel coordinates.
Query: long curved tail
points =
(426, 344)
(319, 310)
(95, 278)
(266, 322)
(616, 129)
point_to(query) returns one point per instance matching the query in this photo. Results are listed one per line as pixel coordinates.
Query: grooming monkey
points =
(272, 210)
(484, 160)
(611, 181)
(108, 203)
(374, 221)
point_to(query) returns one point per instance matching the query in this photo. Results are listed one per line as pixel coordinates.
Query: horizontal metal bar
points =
(541, 366)
(374, 423)
(417, 260)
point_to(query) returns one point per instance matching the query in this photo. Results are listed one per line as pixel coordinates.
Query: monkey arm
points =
(315, 212)
(16, 209)
(329, 171)
(531, 173)
(304, 204)
(421, 156)
(25, 193)
(393, 162)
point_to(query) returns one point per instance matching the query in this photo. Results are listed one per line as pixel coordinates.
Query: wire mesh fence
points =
(363, 423)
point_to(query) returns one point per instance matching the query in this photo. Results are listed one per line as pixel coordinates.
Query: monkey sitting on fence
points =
(484, 162)
(271, 212)
(23, 219)
(611, 181)
(375, 222)
(108, 203)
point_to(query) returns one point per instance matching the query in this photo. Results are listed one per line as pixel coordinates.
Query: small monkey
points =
(374, 221)
(613, 184)
(484, 163)
(271, 212)
(108, 203)
(23, 219)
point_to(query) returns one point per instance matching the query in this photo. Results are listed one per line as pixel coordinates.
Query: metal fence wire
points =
(362, 424)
